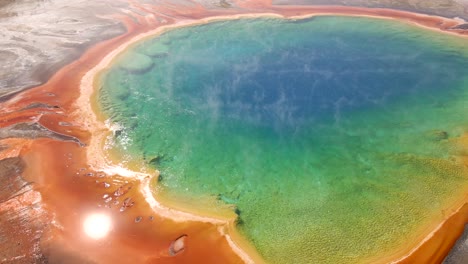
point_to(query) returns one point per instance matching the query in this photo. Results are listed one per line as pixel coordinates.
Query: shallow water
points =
(333, 136)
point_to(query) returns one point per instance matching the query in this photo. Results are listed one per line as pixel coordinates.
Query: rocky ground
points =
(459, 254)
(39, 37)
(22, 220)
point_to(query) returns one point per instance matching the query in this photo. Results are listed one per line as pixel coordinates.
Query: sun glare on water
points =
(97, 226)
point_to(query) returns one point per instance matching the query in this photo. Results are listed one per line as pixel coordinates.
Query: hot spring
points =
(333, 138)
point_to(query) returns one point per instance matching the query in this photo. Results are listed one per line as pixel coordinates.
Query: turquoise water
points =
(333, 137)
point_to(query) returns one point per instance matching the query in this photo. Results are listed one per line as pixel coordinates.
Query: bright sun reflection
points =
(97, 225)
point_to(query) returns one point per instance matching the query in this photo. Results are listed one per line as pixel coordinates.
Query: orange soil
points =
(70, 189)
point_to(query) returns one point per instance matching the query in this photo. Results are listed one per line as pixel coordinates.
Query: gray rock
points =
(39, 37)
(459, 253)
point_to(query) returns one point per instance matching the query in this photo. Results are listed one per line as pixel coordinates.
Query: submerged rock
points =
(136, 62)
(156, 160)
(180, 34)
(156, 50)
(437, 135)
(227, 199)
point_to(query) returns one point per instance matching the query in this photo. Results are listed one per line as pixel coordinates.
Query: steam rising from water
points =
(318, 131)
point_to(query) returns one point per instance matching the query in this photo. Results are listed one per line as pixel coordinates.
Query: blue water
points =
(333, 138)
